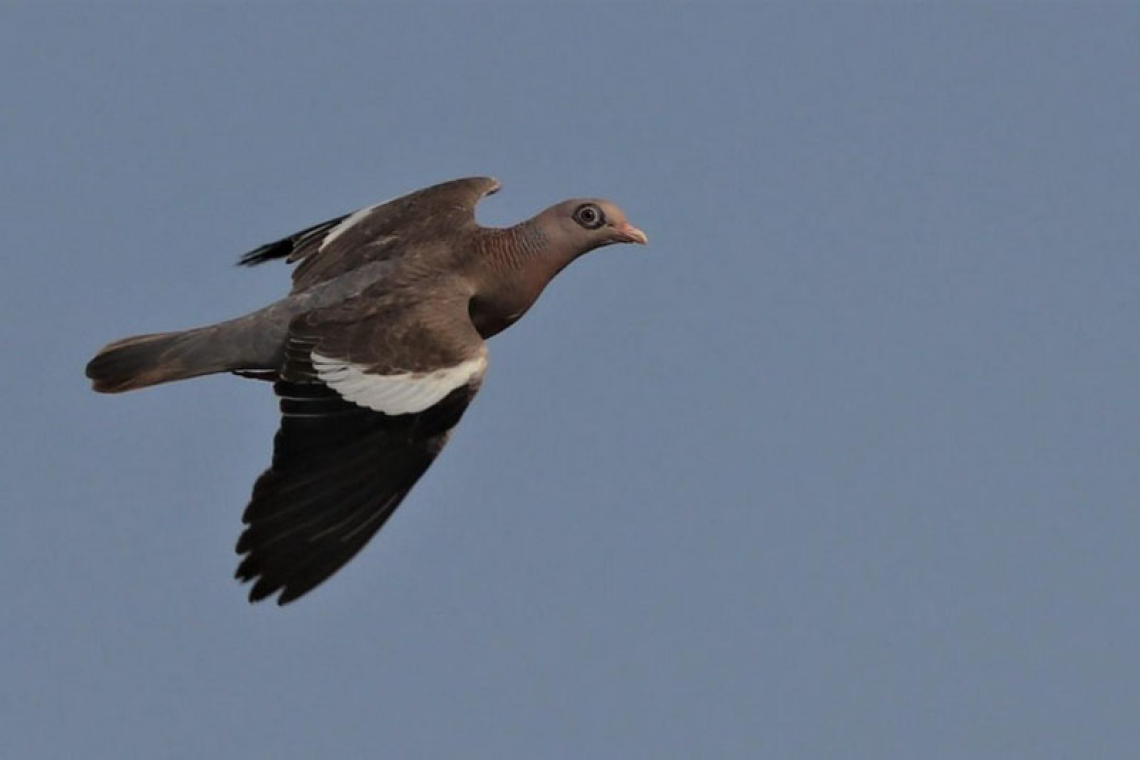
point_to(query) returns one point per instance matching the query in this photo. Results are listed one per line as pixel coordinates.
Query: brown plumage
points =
(375, 355)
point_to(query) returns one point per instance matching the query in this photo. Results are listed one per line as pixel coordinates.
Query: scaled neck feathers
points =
(514, 266)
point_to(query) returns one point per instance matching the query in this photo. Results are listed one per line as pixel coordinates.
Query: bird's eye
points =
(589, 216)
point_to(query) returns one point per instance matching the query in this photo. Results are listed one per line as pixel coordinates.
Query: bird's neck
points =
(516, 263)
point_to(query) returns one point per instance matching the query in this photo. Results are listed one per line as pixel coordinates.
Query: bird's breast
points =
(493, 314)
(491, 322)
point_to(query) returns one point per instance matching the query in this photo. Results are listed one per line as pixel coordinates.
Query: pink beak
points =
(630, 234)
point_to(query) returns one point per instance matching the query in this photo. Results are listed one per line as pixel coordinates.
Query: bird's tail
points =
(145, 360)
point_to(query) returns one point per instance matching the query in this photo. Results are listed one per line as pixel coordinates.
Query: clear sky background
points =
(844, 464)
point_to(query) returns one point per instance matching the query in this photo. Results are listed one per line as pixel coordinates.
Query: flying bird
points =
(374, 355)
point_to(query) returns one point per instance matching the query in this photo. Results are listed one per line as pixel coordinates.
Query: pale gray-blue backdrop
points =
(845, 464)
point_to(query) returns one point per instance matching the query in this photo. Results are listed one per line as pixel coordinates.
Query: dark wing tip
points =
(287, 246)
(262, 587)
(276, 250)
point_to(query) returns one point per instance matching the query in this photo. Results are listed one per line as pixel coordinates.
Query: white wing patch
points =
(402, 393)
(349, 221)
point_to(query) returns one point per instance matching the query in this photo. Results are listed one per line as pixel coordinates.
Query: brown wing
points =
(377, 232)
(359, 426)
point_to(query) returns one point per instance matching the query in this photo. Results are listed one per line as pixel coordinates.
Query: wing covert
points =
(377, 232)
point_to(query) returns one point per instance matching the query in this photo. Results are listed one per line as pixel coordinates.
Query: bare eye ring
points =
(589, 216)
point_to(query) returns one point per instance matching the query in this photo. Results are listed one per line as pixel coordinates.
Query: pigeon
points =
(374, 356)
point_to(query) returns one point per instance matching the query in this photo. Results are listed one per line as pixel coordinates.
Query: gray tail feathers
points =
(146, 360)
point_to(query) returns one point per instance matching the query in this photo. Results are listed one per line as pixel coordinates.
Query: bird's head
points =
(583, 224)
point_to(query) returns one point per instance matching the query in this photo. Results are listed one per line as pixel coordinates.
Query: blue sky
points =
(844, 464)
